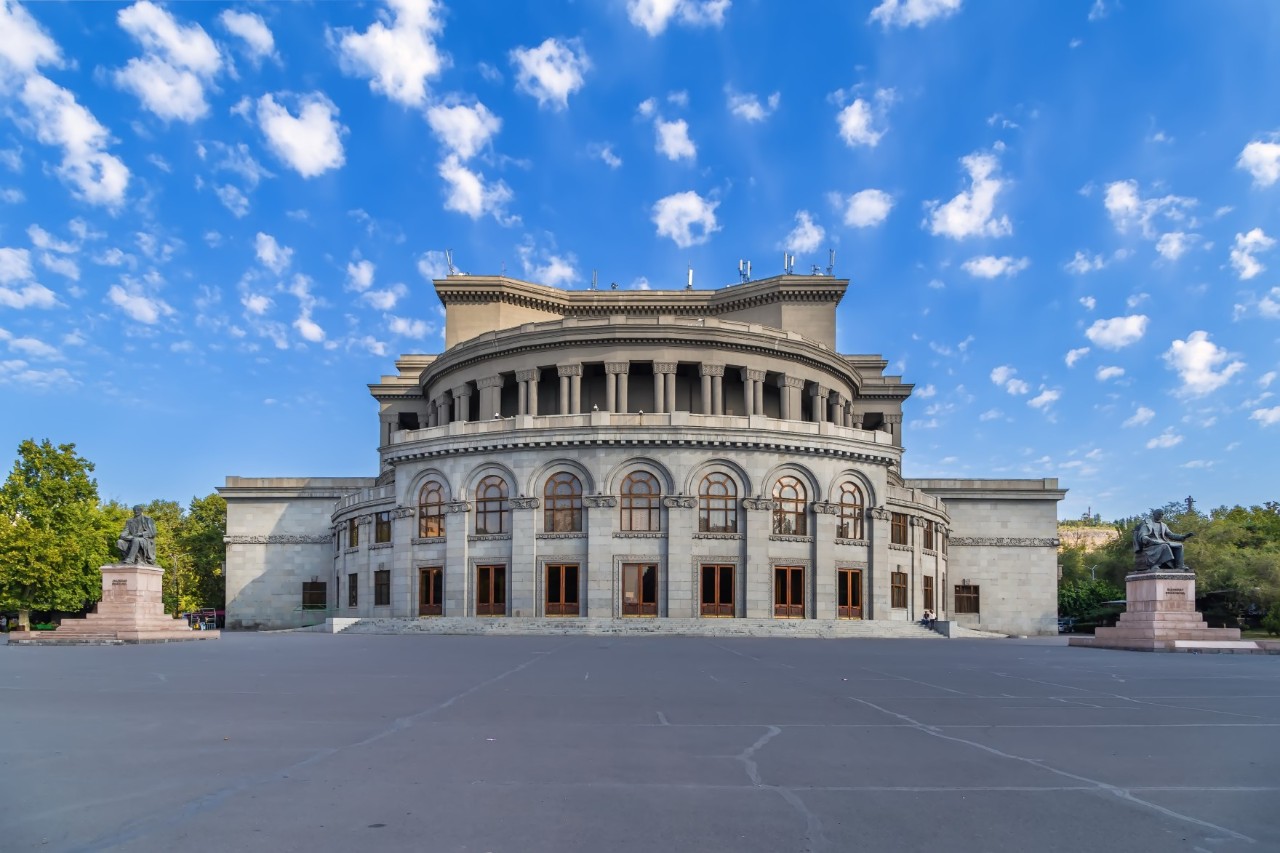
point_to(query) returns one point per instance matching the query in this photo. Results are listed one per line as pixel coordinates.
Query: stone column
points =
(462, 403)
(431, 413)
(819, 395)
(748, 391)
(386, 425)
(575, 391)
(490, 396)
(790, 388)
(533, 391)
(757, 391)
(528, 380)
(855, 417)
(712, 394)
(615, 371)
(444, 404)
(623, 378)
(566, 372)
(894, 423)
(458, 580)
(667, 370)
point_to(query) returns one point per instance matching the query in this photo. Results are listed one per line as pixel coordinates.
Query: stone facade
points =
(653, 454)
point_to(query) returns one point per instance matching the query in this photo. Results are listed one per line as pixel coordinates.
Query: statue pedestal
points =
(131, 611)
(1160, 616)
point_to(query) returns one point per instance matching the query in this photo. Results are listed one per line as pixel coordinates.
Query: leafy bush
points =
(1271, 622)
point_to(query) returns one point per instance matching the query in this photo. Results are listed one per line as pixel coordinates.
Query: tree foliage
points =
(1080, 597)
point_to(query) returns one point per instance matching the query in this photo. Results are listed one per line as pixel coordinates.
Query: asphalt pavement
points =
(271, 742)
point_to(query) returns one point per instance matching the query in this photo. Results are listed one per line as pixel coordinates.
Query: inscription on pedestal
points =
(1175, 590)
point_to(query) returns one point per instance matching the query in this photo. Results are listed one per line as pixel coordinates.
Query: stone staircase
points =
(812, 628)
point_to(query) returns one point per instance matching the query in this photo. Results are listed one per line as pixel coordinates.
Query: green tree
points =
(52, 532)
(201, 541)
(1079, 597)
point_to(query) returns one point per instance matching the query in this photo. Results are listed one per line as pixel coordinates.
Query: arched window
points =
(493, 513)
(789, 512)
(852, 506)
(562, 504)
(717, 504)
(640, 502)
(431, 510)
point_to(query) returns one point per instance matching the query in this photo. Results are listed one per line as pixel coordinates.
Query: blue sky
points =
(1060, 220)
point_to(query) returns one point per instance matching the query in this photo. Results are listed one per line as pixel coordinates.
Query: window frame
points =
(353, 533)
(353, 589)
(562, 503)
(492, 503)
(927, 590)
(927, 537)
(967, 599)
(315, 595)
(790, 507)
(717, 499)
(647, 505)
(899, 529)
(382, 588)
(852, 512)
(431, 510)
(382, 527)
(898, 590)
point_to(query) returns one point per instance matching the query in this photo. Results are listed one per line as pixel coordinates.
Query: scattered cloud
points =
(407, 327)
(653, 16)
(360, 275)
(464, 129)
(604, 152)
(856, 121)
(432, 265)
(1202, 365)
(1142, 416)
(397, 52)
(552, 71)
(1117, 332)
(271, 254)
(253, 31)
(1175, 244)
(1164, 440)
(1128, 209)
(311, 142)
(988, 266)
(673, 139)
(546, 266)
(865, 208)
(136, 303)
(18, 287)
(687, 218)
(972, 212)
(469, 194)
(1266, 417)
(1102, 374)
(178, 61)
(1003, 376)
(1088, 302)
(1082, 263)
(912, 13)
(806, 236)
(1246, 246)
(1261, 158)
(747, 106)
(1075, 355)
(92, 174)
(1046, 398)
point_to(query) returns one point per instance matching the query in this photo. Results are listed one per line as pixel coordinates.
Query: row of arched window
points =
(640, 505)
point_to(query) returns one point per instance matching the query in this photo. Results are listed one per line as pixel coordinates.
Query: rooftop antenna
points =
(815, 270)
(744, 271)
(831, 262)
(689, 286)
(613, 285)
(448, 259)
(593, 279)
(788, 263)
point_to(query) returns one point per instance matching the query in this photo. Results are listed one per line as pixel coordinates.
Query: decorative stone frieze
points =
(753, 375)
(790, 382)
(638, 534)
(527, 375)
(894, 546)
(617, 366)
(1008, 541)
(278, 539)
(489, 537)
(460, 391)
(825, 508)
(428, 540)
(679, 502)
(664, 367)
(489, 382)
(893, 419)
(379, 546)
(711, 370)
(841, 541)
(457, 506)
(569, 369)
(917, 521)
(599, 501)
(523, 503)
(759, 504)
(878, 513)
(404, 512)
(717, 536)
(783, 537)
(574, 535)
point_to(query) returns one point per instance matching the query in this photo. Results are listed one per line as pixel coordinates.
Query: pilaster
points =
(600, 511)
(757, 515)
(458, 583)
(877, 588)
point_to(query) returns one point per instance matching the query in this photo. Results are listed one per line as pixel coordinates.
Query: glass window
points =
(314, 596)
(898, 529)
(928, 592)
(382, 527)
(927, 535)
(431, 510)
(789, 513)
(967, 598)
(353, 590)
(852, 507)
(353, 533)
(562, 504)
(717, 504)
(493, 511)
(898, 589)
(641, 502)
(382, 588)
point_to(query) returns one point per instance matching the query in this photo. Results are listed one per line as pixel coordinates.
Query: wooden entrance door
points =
(639, 589)
(562, 590)
(849, 593)
(491, 590)
(431, 591)
(788, 592)
(717, 590)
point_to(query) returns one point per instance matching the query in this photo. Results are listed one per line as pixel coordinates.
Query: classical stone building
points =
(608, 455)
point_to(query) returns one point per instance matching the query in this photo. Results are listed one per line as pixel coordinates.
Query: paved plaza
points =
(301, 741)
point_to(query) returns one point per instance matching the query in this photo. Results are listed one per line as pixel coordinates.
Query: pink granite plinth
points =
(1160, 616)
(131, 611)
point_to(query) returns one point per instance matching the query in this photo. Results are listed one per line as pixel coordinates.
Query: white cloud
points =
(552, 71)
(31, 347)
(1246, 246)
(12, 195)
(1269, 304)
(360, 275)
(408, 328)
(654, 15)
(990, 415)
(178, 59)
(42, 239)
(673, 139)
(1075, 355)
(309, 329)
(855, 123)
(17, 371)
(173, 94)
(1104, 373)
(989, 266)
(1088, 302)
(1082, 263)
(252, 30)
(470, 195)
(311, 143)
(1117, 332)
(93, 175)
(1266, 417)
(1046, 398)
(60, 264)
(1175, 244)
(605, 153)
(25, 46)
(256, 303)
(647, 107)
(747, 106)
(1164, 440)
(385, 300)
(909, 13)
(806, 236)
(926, 392)
(137, 304)
(972, 212)
(546, 267)
(687, 218)
(159, 33)
(1004, 377)
(398, 56)
(1140, 417)
(271, 254)
(432, 265)
(464, 130)
(1202, 365)
(1127, 208)
(1262, 160)
(867, 208)
(1265, 380)
(233, 199)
